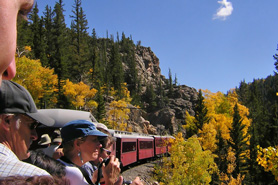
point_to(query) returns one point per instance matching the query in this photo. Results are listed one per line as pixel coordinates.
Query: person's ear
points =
(6, 121)
(77, 143)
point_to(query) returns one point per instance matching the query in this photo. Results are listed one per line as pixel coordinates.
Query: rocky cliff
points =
(171, 116)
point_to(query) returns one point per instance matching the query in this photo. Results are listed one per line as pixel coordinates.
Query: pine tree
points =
(200, 112)
(150, 98)
(23, 34)
(116, 69)
(79, 45)
(97, 66)
(131, 75)
(37, 34)
(170, 84)
(275, 56)
(238, 143)
(48, 25)
(100, 111)
(221, 159)
(60, 48)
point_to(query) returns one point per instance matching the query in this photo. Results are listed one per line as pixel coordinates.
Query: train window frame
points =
(145, 144)
(129, 146)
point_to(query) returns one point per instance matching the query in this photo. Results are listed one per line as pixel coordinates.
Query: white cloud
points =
(224, 11)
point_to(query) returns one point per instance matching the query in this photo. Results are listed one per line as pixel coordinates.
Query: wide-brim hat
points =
(45, 140)
(57, 140)
(80, 128)
(14, 98)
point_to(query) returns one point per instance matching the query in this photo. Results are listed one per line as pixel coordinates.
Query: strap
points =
(83, 171)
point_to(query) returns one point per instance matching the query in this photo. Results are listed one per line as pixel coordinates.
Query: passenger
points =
(44, 143)
(8, 20)
(105, 152)
(51, 149)
(80, 140)
(18, 121)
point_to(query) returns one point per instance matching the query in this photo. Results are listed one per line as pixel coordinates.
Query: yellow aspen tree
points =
(118, 114)
(190, 124)
(80, 95)
(188, 164)
(268, 158)
(39, 81)
(208, 137)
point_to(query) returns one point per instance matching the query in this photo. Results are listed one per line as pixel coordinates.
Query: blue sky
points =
(207, 44)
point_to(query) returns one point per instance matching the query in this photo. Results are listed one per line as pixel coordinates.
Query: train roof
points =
(125, 134)
(166, 136)
(63, 116)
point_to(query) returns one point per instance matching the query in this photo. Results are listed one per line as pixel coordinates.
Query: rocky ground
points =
(144, 171)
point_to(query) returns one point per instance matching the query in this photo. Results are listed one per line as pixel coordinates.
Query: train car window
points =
(159, 142)
(129, 146)
(146, 144)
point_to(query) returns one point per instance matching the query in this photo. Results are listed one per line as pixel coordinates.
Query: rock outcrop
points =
(169, 118)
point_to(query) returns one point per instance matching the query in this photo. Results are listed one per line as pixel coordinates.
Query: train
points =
(130, 147)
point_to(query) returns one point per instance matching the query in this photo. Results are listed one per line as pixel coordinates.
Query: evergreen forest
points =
(231, 138)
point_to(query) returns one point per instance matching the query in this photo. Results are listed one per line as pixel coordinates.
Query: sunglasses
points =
(107, 151)
(32, 125)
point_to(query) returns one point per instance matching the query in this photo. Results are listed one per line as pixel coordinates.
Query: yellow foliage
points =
(268, 158)
(39, 81)
(228, 178)
(80, 95)
(207, 137)
(189, 120)
(27, 48)
(118, 114)
(188, 164)
(112, 92)
(220, 111)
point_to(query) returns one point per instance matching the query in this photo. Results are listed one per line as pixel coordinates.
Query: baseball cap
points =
(80, 128)
(14, 98)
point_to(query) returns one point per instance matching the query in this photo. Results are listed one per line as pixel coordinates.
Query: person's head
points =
(9, 11)
(107, 143)
(80, 138)
(18, 118)
(56, 137)
(44, 141)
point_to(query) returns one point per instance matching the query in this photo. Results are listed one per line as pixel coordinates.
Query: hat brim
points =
(57, 140)
(97, 133)
(44, 143)
(47, 121)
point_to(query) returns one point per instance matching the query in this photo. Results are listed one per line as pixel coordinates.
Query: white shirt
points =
(10, 165)
(50, 150)
(74, 175)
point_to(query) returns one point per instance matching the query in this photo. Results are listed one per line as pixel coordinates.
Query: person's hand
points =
(119, 181)
(111, 171)
(137, 181)
(58, 153)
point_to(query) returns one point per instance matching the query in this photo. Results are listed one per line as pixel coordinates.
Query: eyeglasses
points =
(107, 151)
(33, 125)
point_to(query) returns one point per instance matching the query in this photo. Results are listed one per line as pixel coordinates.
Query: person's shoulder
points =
(16, 167)
(75, 175)
(32, 170)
